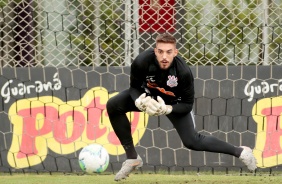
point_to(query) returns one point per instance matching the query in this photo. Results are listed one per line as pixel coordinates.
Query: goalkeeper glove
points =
(157, 108)
(142, 101)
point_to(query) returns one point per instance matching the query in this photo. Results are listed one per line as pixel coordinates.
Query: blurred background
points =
(112, 33)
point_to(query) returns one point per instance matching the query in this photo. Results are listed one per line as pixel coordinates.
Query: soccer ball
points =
(93, 158)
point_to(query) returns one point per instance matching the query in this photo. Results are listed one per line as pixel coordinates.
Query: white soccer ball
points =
(93, 158)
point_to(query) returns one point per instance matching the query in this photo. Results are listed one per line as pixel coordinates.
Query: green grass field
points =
(138, 179)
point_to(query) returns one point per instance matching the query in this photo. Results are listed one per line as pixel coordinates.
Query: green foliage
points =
(213, 32)
(3, 2)
(109, 41)
(219, 34)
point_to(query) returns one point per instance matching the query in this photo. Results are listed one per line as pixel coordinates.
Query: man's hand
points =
(142, 101)
(157, 108)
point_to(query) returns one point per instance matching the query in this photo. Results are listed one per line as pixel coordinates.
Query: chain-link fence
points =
(112, 33)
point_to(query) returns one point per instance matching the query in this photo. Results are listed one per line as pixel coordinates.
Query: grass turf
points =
(138, 179)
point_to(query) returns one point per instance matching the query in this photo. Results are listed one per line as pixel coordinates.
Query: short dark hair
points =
(165, 38)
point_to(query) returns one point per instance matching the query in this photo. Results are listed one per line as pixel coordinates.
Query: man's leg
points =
(117, 108)
(185, 126)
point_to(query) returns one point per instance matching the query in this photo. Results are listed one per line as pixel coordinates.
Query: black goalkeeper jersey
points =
(175, 85)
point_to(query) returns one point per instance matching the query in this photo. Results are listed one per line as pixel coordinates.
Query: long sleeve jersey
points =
(175, 85)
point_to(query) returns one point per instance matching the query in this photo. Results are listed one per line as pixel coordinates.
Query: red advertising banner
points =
(46, 121)
(156, 15)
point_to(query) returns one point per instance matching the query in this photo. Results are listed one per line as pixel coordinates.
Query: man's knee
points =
(111, 105)
(190, 145)
(195, 142)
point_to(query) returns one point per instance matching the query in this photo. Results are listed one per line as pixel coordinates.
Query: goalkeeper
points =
(161, 83)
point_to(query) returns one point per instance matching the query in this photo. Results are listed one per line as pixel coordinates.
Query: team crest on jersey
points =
(172, 81)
